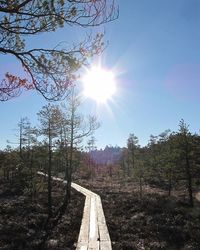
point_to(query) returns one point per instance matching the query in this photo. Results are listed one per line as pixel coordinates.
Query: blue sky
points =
(154, 49)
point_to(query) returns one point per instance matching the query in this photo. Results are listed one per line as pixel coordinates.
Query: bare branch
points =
(50, 71)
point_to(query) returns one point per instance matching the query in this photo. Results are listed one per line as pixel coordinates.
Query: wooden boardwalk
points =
(93, 233)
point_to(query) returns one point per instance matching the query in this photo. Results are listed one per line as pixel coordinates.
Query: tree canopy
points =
(49, 71)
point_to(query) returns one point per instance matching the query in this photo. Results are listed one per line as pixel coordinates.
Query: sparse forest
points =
(152, 191)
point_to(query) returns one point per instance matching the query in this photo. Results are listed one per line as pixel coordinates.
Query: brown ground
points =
(21, 221)
(153, 222)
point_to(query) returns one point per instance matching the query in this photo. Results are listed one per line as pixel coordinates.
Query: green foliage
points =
(49, 71)
(169, 160)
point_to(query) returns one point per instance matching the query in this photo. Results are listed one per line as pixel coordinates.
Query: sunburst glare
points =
(99, 84)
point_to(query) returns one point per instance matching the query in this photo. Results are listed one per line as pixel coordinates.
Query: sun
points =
(99, 84)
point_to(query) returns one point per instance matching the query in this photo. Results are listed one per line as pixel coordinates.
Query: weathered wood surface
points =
(93, 233)
(198, 196)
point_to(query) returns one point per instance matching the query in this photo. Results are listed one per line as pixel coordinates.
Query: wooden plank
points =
(84, 230)
(99, 238)
(93, 245)
(81, 246)
(103, 233)
(81, 189)
(101, 217)
(105, 245)
(93, 233)
(103, 230)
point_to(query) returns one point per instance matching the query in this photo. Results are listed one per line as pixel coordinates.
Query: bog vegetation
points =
(151, 182)
(150, 194)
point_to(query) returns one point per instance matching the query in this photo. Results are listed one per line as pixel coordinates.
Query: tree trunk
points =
(49, 175)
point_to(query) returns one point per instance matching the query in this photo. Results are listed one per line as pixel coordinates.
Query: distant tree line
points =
(170, 161)
(106, 156)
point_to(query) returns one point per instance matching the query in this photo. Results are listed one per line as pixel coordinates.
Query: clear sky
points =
(154, 50)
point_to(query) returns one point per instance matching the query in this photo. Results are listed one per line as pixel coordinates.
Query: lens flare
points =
(99, 84)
